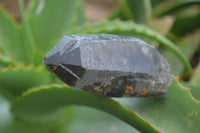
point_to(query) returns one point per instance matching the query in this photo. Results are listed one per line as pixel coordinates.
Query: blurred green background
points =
(34, 101)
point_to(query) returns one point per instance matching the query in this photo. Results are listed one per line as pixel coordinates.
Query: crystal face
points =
(110, 65)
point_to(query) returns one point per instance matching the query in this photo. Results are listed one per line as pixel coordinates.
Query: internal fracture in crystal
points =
(110, 65)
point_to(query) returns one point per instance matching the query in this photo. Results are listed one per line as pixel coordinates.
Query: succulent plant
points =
(33, 100)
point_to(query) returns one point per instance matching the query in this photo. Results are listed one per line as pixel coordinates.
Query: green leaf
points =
(13, 39)
(10, 35)
(89, 120)
(48, 18)
(186, 24)
(138, 10)
(170, 6)
(17, 80)
(5, 61)
(130, 28)
(102, 122)
(27, 36)
(8, 124)
(188, 45)
(195, 89)
(38, 102)
(122, 11)
(78, 14)
(141, 10)
(179, 112)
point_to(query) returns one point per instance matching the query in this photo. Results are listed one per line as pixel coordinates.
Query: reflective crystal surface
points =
(110, 65)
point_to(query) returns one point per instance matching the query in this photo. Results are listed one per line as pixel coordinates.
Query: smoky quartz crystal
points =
(110, 65)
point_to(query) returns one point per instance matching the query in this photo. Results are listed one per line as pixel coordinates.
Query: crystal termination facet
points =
(110, 65)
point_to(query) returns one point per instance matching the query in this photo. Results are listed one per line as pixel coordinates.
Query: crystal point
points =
(110, 65)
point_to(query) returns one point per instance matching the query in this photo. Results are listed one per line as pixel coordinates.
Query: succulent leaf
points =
(166, 109)
(40, 101)
(17, 80)
(9, 124)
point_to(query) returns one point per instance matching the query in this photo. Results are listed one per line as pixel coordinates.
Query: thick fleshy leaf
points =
(195, 89)
(186, 24)
(188, 46)
(36, 103)
(10, 35)
(89, 120)
(138, 10)
(122, 11)
(179, 112)
(8, 124)
(17, 80)
(141, 10)
(48, 18)
(170, 6)
(5, 61)
(159, 111)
